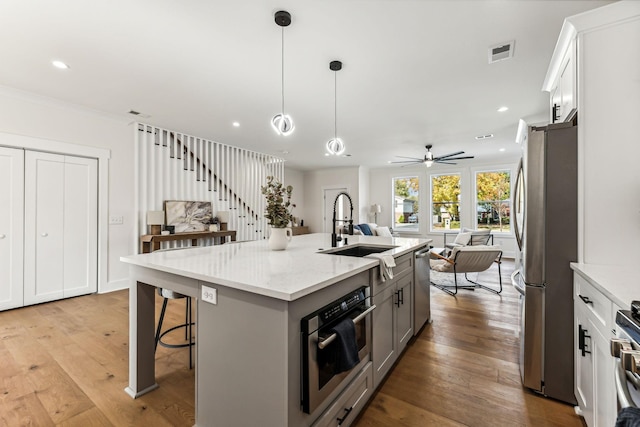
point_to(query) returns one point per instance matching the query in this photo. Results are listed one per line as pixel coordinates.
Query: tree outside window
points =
(445, 202)
(406, 206)
(493, 195)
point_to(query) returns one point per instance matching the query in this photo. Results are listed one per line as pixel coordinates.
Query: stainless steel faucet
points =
(334, 236)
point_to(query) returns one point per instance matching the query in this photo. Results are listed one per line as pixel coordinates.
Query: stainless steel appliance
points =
(545, 208)
(626, 349)
(422, 290)
(320, 349)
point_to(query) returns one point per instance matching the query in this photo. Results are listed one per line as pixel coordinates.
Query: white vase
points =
(279, 238)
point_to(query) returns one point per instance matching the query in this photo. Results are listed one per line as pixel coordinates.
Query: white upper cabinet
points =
(561, 79)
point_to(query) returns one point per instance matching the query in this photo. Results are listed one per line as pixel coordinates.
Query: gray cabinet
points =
(345, 408)
(393, 318)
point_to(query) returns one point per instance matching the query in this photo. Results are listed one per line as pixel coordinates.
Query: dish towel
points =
(346, 346)
(387, 262)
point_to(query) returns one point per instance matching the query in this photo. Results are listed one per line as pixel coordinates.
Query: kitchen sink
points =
(359, 251)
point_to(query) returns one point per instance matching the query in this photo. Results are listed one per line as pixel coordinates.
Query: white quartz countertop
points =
(618, 283)
(288, 275)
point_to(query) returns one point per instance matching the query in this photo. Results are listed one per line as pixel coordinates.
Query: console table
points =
(151, 242)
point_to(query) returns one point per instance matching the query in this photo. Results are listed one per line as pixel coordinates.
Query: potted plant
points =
(278, 212)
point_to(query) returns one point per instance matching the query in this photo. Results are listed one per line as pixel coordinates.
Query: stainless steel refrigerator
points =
(545, 204)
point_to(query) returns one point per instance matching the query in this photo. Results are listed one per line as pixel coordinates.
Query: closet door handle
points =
(44, 234)
(2, 236)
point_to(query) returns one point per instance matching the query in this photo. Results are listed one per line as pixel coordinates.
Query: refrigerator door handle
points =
(516, 282)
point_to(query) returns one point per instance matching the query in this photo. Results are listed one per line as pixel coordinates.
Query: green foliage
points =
(279, 204)
(493, 193)
(446, 192)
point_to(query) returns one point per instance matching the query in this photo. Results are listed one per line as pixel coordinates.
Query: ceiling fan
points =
(429, 159)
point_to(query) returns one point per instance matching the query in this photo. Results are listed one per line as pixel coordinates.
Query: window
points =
(406, 213)
(445, 202)
(493, 204)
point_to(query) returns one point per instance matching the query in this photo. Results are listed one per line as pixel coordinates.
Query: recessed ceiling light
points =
(236, 124)
(60, 64)
(502, 149)
(502, 109)
(489, 135)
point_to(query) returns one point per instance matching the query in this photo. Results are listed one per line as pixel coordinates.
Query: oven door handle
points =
(325, 342)
(624, 397)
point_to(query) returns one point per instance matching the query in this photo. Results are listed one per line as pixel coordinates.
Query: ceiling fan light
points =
(282, 124)
(335, 147)
(428, 163)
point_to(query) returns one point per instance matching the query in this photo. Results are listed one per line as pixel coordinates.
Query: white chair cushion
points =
(383, 231)
(462, 239)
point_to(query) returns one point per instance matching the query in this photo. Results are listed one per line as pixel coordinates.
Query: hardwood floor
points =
(462, 370)
(66, 363)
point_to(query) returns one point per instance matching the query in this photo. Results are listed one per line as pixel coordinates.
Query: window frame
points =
(510, 171)
(460, 200)
(412, 230)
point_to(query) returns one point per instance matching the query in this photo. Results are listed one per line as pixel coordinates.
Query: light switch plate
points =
(116, 220)
(209, 295)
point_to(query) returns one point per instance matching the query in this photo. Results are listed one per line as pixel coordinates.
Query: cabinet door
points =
(44, 219)
(80, 226)
(384, 334)
(11, 227)
(60, 227)
(404, 308)
(584, 365)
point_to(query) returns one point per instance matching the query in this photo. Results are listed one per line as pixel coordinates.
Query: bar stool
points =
(188, 324)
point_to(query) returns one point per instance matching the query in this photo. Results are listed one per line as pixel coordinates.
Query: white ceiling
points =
(415, 72)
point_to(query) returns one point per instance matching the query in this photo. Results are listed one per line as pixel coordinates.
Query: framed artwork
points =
(188, 216)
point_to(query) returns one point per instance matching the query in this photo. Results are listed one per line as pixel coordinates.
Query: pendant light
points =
(335, 146)
(282, 123)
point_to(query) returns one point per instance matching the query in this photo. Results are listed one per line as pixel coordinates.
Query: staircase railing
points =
(175, 166)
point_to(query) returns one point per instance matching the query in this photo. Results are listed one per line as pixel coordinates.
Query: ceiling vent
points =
(487, 136)
(137, 113)
(501, 51)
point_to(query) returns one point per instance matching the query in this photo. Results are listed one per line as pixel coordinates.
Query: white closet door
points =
(11, 227)
(44, 219)
(80, 226)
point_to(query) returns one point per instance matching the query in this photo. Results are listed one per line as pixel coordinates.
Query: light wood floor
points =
(66, 363)
(462, 370)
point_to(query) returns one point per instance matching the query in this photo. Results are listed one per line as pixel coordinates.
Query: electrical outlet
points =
(209, 295)
(116, 220)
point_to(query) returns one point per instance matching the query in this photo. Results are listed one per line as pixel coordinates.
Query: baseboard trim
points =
(114, 285)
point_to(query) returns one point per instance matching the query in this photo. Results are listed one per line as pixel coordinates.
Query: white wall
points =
(34, 116)
(381, 192)
(315, 182)
(295, 178)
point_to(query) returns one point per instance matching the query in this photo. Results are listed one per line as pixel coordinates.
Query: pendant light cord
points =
(335, 105)
(282, 46)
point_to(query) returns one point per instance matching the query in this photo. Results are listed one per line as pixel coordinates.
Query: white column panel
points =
(44, 218)
(11, 227)
(80, 225)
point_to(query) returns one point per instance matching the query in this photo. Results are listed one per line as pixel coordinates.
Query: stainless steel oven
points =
(321, 351)
(626, 348)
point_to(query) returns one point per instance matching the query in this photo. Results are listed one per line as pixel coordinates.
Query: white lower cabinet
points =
(48, 227)
(594, 365)
(346, 407)
(11, 227)
(392, 323)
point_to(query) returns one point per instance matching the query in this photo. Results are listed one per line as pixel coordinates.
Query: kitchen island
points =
(250, 301)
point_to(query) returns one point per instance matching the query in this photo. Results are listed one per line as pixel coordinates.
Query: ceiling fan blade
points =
(408, 161)
(449, 155)
(458, 158)
(443, 162)
(412, 158)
